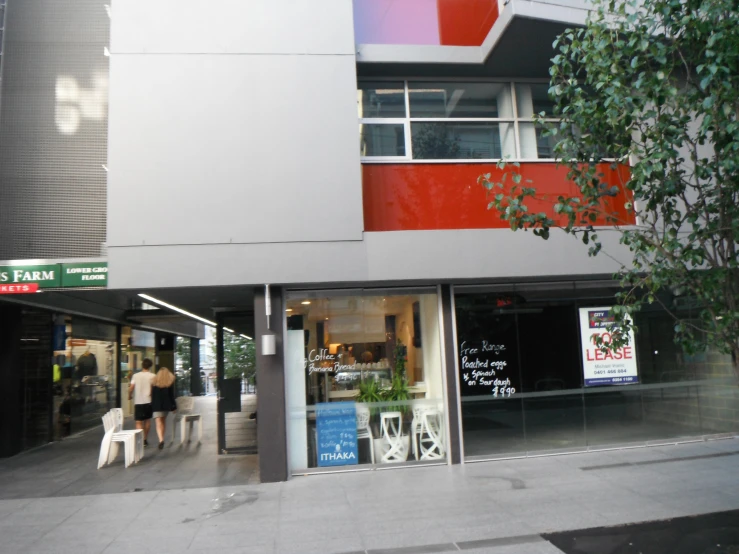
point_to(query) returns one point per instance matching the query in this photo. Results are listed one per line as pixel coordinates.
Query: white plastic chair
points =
(111, 439)
(185, 416)
(363, 428)
(391, 428)
(431, 439)
(137, 433)
(416, 427)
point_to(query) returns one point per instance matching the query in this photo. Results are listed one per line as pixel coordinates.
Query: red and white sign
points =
(614, 367)
(19, 289)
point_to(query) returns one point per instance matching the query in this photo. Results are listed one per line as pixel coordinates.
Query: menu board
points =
(336, 431)
(487, 367)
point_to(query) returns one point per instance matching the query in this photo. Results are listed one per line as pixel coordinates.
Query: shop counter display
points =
(417, 391)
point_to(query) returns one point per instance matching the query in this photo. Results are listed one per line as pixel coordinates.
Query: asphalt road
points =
(716, 533)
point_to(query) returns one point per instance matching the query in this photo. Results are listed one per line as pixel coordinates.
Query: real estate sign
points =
(616, 367)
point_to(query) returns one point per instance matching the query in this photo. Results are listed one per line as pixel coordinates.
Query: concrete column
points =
(271, 419)
(450, 358)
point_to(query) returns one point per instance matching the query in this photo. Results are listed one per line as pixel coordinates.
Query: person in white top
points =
(140, 391)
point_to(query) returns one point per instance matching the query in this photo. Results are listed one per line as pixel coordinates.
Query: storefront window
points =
(364, 379)
(84, 373)
(531, 380)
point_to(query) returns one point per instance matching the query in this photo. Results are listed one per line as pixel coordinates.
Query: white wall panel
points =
(232, 121)
(220, 149)
(393, 256)
(232, 26)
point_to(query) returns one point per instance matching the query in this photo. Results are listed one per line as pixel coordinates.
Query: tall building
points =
(304, 173)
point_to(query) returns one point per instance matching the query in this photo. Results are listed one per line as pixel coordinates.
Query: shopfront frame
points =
(447, 294)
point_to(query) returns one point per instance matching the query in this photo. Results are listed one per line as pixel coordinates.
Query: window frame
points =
(407, 121)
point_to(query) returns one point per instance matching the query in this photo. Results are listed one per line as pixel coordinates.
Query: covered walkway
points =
(69, 467)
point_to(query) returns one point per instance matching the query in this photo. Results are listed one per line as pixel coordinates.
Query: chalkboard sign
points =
(488, 367)
(336, 430)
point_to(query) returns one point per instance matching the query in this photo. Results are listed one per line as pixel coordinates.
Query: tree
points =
(656, 84)
(239, 357)
(183, 364)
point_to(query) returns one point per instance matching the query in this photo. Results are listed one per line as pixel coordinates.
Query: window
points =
(364, 379)
(423, 120)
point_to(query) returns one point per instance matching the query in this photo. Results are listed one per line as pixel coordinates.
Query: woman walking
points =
(162, 400)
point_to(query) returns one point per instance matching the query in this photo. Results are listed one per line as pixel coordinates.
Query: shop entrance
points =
(236, 384)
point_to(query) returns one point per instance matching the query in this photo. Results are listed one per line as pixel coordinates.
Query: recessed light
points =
(305, 302)
(176, 309)
(326, 319)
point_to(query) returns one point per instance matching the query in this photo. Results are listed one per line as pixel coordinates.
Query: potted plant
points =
(398, 392)
(369, 393)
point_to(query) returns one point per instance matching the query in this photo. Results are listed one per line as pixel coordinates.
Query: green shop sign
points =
(92, 274)
(85, 275)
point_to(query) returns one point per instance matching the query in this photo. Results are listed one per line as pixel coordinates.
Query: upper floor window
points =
(424, 120)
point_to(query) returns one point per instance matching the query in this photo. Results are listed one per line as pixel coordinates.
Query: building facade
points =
(330, 150)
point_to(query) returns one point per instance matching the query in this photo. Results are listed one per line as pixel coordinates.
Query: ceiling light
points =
(289, 310)
(178, 310)
(245, 336)
(227, 329)
(305, 302)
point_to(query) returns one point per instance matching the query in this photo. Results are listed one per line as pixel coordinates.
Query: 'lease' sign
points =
(614, 367)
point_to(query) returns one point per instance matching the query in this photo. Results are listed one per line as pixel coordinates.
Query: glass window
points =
(534, 142)
(478, 120)
(85, 373)
(464, 140)
(363, 380)
(533, 99)
(382, 139)
(532, 382)
(380, 99)
(460, 100)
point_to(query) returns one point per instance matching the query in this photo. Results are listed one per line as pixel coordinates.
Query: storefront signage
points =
(42, 275)
(485, 369)
(92, 274)
(336, 433)
(617, 367)
(85, 275)
(322, 361)
(18, 289)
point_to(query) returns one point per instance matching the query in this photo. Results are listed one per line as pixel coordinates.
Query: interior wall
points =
(431, 345)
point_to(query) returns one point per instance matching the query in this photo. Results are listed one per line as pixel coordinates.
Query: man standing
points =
(140, 390)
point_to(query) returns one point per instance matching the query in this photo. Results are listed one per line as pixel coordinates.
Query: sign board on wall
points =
(18, 289)
(336, 433)
(616, 367)
(487, 367)
(87, 274)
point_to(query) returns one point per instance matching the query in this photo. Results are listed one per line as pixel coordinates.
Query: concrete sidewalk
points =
(497, 507)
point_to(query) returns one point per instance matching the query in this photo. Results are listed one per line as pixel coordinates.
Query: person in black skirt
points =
(162, 400)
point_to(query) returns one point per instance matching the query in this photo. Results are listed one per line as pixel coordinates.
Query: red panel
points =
(466, 23)
(409, 197)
